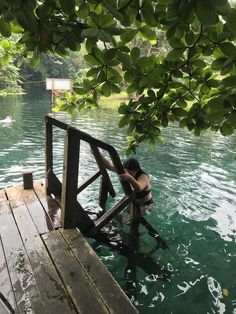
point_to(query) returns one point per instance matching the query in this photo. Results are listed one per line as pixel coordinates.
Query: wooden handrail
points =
(73, 214)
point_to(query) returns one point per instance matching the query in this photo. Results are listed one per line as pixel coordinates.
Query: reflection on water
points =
(194, 184)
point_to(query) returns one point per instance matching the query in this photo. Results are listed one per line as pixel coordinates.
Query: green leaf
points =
(91, 60)
(80, 90)
(112, 62)
(114, 76)
(107, 21)
(68, 6)
(125, 60)
(199, 63)
(115, 88)
(83, 11)
(183, 123)
(197, 131)
(5, 28)
(215, 109)
(130, 76)
(90, 43)
(135, 54)
(147, 32)
(228, 49)
(147, 62)
(131, 88)
(123, 121)
(109, 54)
(114, 11)
(218, 64)
(5, 44)
(101, 76)
(148, 14)
(175, 54)
(128, 35)
(226, 129)
(93, 72)
(124, 109)
(6, 59)
(181, 103)
(213, 83)
(90, 32)
(35, 60)
(231, 20)
(106, 36)
(26, 19)
(143, 82)
(206, 12)
(179, 112)
(232, 119)
(229, 81)
(97, 54)
(106, 89)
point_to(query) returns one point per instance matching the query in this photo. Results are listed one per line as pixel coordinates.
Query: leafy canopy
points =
(194, 83)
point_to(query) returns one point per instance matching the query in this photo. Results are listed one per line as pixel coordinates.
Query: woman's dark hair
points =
(131, 164)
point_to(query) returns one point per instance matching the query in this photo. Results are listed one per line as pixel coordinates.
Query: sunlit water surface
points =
(194, 184)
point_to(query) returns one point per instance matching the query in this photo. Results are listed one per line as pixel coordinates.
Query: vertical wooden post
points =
(48, 153)
(70, 178)
(134, 224)
(103, 193)
(73, 214)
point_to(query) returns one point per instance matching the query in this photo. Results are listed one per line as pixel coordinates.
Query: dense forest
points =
(20, 74)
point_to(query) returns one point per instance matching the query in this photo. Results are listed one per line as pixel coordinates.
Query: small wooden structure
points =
(47, 269)
(58, 86)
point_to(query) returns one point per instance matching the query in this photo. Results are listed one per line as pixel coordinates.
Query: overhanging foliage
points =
(194, 83)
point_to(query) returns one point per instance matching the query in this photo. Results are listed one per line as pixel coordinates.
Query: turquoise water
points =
(194, 184)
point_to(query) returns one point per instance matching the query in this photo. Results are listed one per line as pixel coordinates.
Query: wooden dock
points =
(47, 269)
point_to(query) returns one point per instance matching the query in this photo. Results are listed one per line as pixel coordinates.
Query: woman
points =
(138, 179)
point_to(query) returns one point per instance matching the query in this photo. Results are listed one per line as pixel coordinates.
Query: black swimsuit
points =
(142, 193)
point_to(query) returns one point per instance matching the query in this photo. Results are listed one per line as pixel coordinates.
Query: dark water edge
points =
(194, 184)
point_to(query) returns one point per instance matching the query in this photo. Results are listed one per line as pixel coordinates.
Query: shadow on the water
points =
(115, 238)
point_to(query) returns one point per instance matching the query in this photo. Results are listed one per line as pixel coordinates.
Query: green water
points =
(194, 184)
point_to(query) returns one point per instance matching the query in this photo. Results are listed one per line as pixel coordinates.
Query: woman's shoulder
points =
(140, 173)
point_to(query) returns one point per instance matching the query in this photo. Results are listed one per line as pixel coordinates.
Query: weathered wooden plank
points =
(78, 284)
(4, 204)
(53, 293)
(2, 195)
(41, 219)
(3, 308)
(49, 204)
(114, 297)
(14, 195)
(5, 282)
(25, 289)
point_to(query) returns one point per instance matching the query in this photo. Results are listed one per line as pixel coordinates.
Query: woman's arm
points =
(108, 164)
(138, 185)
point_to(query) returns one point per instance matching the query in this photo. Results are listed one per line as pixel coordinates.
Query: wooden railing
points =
(73, 214)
